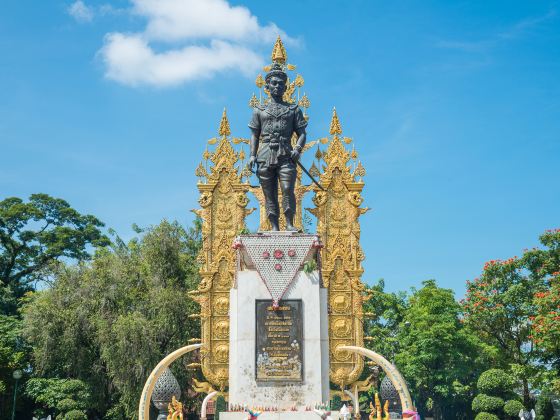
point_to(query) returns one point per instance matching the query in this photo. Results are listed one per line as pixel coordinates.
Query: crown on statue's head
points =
(279, 59)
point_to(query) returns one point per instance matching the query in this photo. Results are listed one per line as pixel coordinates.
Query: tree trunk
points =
(526, 395)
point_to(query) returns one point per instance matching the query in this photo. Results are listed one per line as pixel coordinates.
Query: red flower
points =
(292, 253)
(266, 255)
(278, 254)
(278, 267)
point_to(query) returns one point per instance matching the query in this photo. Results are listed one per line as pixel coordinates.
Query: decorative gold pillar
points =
(223, 198)
(337, 211)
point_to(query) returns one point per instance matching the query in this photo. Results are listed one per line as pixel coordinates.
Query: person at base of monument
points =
(273, 125)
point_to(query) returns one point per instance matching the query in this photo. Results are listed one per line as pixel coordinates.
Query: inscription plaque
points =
(279, 343)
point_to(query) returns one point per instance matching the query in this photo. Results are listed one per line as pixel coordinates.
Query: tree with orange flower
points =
(511, 306)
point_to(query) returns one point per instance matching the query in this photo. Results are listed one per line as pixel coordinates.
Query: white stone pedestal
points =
(243, 387)
(279, 415)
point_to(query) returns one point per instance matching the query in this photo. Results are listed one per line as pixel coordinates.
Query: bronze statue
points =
(272, 125)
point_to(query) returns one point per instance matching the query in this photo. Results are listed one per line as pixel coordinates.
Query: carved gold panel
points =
(337, 211)
(223, 200)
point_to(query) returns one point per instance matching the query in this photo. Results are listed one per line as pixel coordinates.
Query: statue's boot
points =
(290, 222)
(273, 219)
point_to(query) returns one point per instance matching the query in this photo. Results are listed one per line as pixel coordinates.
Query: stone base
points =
(278, 415)
(313, 387)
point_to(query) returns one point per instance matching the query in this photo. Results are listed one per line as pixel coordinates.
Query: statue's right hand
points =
(252, 162)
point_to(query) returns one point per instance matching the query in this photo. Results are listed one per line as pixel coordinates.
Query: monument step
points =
(277, 415)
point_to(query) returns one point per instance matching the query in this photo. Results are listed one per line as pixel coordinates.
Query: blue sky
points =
(454, 108)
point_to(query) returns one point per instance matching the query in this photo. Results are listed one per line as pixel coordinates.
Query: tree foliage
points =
(487, 403)
(35, 234)
(486, 416)
(388, 310)
(495, 387)
(438, 355)
(110, 322)
(512, 408)
(61, 396)
(503, 303)
(495, 382)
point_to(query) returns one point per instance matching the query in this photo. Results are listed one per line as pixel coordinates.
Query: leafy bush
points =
(220, 406)
(75, 415)
(513, 407)
(483, 402)
(486, 416)
(495, 381)
(62, 395)
(544, 407)
(66, 405)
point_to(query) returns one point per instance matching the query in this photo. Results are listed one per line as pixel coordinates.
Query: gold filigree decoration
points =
(335, 128)
(293, 87)
(253, 102)
(223, 200)
(279, 54)
(224, 129)
(304, 101)
(175, 409)
(337, 211)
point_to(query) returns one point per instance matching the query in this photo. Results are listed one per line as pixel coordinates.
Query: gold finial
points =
(335, 124)
(279, 52)
(224, 125)
(360, 171)
(314, 170)
(304, 101)
(259, 81)
(253, 102)
(299, 81)
(318, 153)
(206, 154)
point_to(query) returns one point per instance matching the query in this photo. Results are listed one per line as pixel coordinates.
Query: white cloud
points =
(131, 61)
(175, 20)
(80, 11)
(203, 37)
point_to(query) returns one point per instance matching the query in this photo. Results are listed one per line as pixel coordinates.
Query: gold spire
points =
(279, 52)
(335, 124)
(224, 125)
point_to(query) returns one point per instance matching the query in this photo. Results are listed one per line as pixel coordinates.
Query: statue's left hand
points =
(294, 155)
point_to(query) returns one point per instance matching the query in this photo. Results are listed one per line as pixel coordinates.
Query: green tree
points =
(65, 398)
(512, 408)
(35, 234)
(546, 322)
(388, 311)
(113, 319)
(495, 386)
(501, 305)
(14, 354)
(439, 356)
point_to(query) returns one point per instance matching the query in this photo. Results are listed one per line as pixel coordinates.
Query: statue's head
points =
(275, 81)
